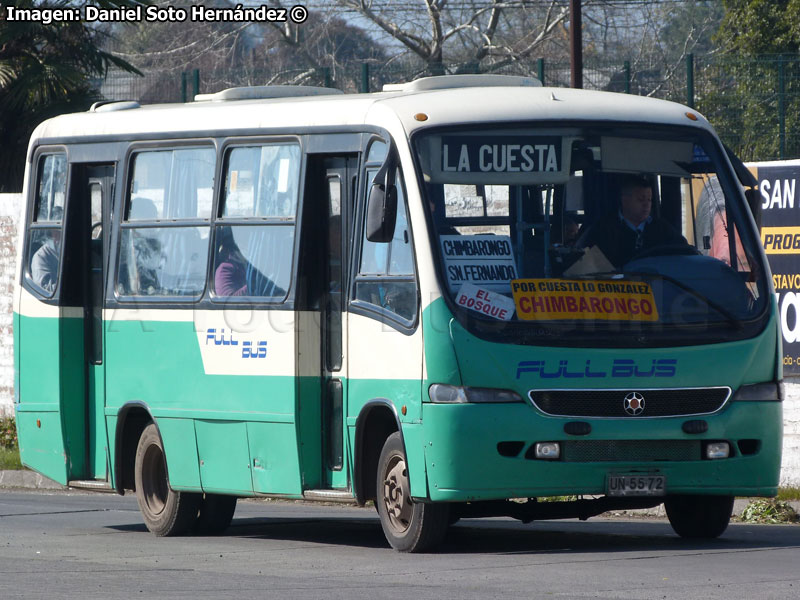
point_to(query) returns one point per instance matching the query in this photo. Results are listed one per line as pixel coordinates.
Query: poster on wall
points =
(780, 235)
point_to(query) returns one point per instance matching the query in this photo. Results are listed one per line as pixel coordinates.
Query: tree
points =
(163, 50)
(655, 40)
(246, 53)
(754, 92)
(45, 70)
(753, 27)
(298, 53)
(469, 35)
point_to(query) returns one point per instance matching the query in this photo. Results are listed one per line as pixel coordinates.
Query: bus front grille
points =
(617, 403)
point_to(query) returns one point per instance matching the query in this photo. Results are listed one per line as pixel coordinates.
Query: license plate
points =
(636, 485)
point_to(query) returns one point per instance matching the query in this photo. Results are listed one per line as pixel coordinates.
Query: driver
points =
(633, 229)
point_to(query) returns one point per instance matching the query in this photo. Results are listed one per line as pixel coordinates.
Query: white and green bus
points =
(435, 298)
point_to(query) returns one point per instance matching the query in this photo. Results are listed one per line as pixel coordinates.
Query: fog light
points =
(718, 450)
(548, 450)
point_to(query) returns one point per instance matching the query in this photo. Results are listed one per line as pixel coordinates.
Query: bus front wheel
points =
(165, 511)
(409, 526)
(699, 517)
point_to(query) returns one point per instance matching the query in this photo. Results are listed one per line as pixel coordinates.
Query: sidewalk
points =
(31, 480)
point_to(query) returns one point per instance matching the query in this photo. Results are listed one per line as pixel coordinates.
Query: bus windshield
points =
(586, 229)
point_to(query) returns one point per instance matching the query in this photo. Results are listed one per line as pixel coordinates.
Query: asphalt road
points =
(81, 545)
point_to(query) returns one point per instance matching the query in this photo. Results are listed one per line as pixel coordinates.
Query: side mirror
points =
(382, 203)
(750, 183)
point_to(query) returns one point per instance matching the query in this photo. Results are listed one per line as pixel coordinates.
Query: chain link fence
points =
(752, 102)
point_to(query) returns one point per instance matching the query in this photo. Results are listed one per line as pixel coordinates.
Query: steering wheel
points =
(678, 249)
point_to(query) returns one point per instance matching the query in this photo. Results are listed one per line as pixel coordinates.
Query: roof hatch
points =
(444, 82)
(261, 92)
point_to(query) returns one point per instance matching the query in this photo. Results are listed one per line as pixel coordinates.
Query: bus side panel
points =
(387, 364)
(73, 394)
(41, 443)
(187, 370)
(52, 395)
(414, 441)
(309, 405)
(275, 462)
(181, 452)
(16, 326)
(224, 456)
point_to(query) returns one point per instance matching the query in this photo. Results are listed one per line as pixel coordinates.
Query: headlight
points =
(451, 394)
(715, 450)
(771, 391)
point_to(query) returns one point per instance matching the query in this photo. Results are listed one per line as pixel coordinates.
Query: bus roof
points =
(440, 107)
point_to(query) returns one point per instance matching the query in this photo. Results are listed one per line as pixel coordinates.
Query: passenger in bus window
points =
(44, 263)
(571, 231)
(633, 229)
(230, 273)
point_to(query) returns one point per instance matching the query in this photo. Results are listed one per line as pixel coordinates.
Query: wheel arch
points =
(376, 421)
(132, 418)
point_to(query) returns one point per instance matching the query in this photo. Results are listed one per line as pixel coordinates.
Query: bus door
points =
(325, 249)
(93, 188)
(340, 176)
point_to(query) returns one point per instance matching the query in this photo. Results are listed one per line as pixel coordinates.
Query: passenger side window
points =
(44, 245)
(254, 232)
(165, 229)
(386, 270)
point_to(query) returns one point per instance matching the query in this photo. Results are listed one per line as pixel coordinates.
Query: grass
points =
(769, 510)
(9, 459)
(788, 493)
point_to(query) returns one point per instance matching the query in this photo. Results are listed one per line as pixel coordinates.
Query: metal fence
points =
(753, 102)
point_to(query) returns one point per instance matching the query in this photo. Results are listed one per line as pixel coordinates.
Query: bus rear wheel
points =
(408, 526)
(699, 517)
(216, 513)
(165, 511)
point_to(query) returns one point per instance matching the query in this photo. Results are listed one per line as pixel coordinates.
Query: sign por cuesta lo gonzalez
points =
(552, 299)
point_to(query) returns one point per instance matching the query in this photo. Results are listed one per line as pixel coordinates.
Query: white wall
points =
(790, 470)
(9, 216)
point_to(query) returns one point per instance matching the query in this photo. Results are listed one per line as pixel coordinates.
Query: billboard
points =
(780, 235)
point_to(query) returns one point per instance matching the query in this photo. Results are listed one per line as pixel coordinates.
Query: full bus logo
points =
(250, 348)
(620, 367)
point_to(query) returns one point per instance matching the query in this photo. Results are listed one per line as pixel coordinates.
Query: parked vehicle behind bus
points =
(454, 298)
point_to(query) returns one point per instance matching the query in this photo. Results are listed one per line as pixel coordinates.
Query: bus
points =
(459, 297)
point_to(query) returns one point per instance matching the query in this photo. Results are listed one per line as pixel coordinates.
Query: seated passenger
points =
(44, 263)
(571, 230)
(231, 269)
(632, 229)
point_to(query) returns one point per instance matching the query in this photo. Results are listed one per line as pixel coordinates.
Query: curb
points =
(658, 512)
(29, 480)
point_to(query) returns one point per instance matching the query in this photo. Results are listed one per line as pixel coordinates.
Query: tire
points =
(216, 514)
(408, 526)
(699, 517)
(165, 511)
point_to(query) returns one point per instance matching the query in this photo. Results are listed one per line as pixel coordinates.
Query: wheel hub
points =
(396, 497)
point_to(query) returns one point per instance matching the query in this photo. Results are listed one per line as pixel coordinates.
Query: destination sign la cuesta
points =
(501, 154)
